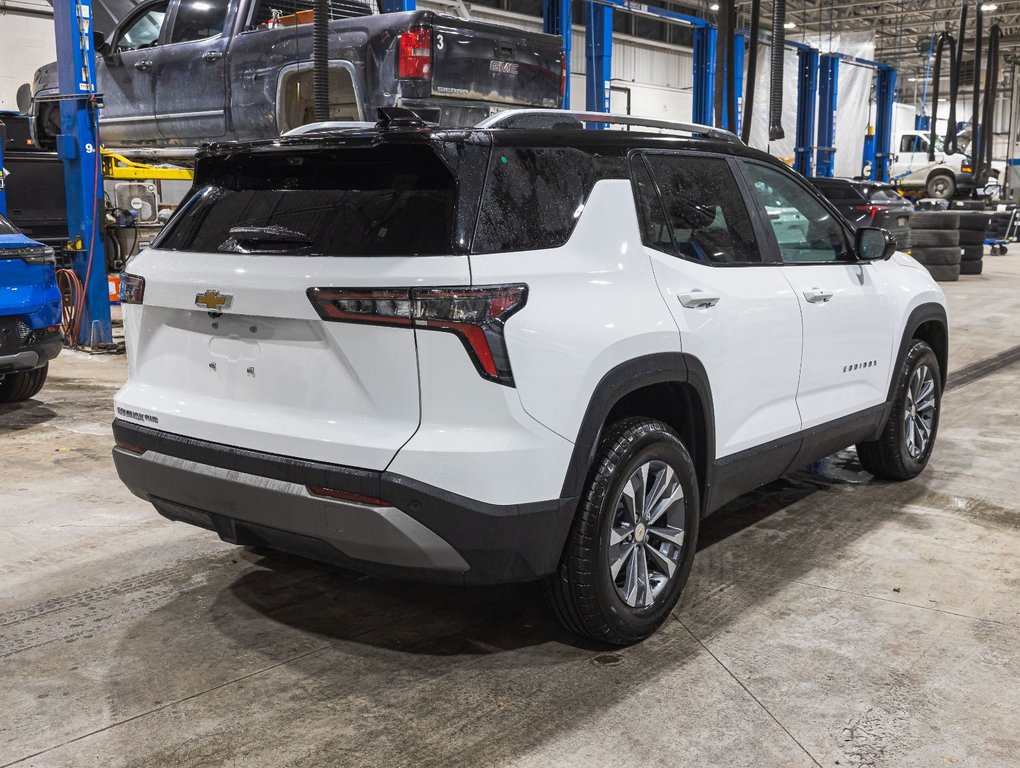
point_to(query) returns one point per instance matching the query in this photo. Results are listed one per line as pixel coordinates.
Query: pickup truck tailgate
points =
(476, 60)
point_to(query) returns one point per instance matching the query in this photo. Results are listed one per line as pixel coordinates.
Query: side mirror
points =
(874, 244)
(100, 44)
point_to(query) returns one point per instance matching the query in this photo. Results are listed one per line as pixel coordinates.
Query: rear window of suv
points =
(387, 201)
(6, 228)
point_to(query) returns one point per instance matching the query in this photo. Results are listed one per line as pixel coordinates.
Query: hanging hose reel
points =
(752, 72)
(776, 131)
(944, 39)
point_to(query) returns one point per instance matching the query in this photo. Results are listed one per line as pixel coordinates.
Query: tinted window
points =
(703, 206)
(267, 10)
(533, 198)
(378, 202)
(199, 19)
(913, 144)
(804, 228)
(6, 228)
(144, 32)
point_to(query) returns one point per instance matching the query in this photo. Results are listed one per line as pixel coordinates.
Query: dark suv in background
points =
(870, 204)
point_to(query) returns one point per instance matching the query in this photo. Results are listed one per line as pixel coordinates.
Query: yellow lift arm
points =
(119, 167)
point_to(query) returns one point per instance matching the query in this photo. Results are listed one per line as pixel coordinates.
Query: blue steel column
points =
(733, 121)
(828, 87)
(556, 20)
(78, 146)
(885, 88)
(396, 6)
(704, 73)
(807, 87)
(598, 52)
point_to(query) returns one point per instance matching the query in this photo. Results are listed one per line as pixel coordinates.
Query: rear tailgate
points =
(229, 344)
(490, 62)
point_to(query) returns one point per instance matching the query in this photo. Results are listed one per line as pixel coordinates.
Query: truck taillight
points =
(476, 316)
(414, 60)
(563, 78)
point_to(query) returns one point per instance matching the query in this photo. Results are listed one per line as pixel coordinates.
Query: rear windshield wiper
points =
(245, 239)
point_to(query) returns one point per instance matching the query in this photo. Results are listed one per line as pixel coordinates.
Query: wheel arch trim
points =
(629, 377)
(925, 313)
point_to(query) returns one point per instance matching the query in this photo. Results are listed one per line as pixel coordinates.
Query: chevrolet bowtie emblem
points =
(214, 301)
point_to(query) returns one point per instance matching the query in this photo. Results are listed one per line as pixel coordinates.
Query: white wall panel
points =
(26, 43)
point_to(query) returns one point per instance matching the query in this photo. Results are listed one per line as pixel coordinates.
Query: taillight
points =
(132, 288)
(871, 210)
(563, 78)
(476, 316)
(414, 61)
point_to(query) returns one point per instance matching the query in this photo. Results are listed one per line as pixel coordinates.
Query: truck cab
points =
(915, 172)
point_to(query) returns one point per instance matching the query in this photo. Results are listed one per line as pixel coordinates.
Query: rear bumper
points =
(424, 533)
(31, 356)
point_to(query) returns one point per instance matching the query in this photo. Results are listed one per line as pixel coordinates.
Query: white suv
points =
(513, 352)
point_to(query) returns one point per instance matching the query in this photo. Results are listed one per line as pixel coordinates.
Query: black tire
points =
(935, 220)
(937, 256)
(972, 237)
(971, 267)
(584, 593)
(890, 457)
(972, 253)
(945, 273)
(15, 387)
(934, 238)
(941, 186)
(974, 221)
(968, 205)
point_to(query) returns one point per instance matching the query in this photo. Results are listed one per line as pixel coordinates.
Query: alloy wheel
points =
(646, 536)
(919, 412)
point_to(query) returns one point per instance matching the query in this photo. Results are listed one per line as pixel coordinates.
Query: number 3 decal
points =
(439, 42)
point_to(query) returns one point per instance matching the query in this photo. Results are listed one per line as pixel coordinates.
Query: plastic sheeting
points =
(760, 117)
(853, 103)
(853, 110)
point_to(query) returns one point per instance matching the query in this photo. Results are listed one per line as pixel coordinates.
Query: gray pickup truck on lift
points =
(185, 72)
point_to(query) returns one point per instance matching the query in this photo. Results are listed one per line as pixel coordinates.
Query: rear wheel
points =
(15, 387)
(906, 442)
(631, 546)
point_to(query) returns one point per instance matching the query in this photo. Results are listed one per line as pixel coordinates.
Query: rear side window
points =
(884, 194)
(533, 197)
(198, 20)
(6, 228)
(702, 205)
(388, 201)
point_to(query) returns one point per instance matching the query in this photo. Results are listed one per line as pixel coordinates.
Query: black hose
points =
(991, 84)
(752, 72)
(949, 144)
(320, 60)
(776, 78)
(718, 84)
(976, 136)
(944, 38)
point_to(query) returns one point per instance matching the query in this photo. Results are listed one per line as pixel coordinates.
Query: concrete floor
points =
(829, 620)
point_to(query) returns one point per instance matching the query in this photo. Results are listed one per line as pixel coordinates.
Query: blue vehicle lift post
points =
(885, 88)
(807, 88)
(78, 146)
(828, 87)
(396, 6)
(598, 52)
(557, 20)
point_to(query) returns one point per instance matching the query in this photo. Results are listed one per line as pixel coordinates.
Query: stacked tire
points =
(997, 230)
(973, 231)
(935, 238)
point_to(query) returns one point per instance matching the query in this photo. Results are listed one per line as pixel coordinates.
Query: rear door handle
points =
(817, 295)
(212, 55)
(143, 65)
(697, 299)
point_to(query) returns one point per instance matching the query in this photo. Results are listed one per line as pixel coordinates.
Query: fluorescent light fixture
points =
(986, 7)
(714, 7)
(789, 25)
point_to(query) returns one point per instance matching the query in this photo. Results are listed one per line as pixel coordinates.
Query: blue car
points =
(30, 307)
